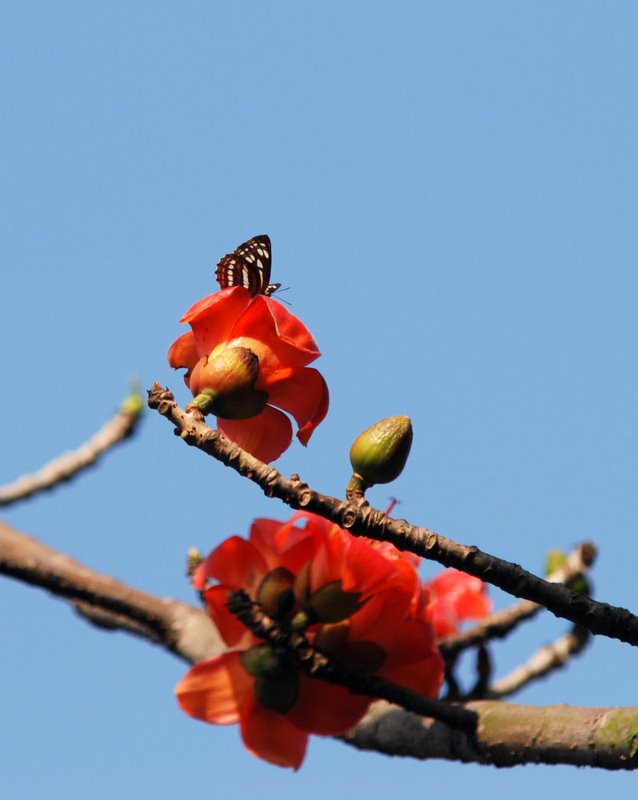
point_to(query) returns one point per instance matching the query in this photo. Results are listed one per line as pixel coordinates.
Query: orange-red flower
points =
(250, 356)
(453, 597)
(353, 602)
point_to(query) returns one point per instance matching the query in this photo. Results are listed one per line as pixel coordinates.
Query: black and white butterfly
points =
(248, 266)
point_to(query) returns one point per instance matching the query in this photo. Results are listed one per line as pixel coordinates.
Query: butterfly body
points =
(248, 266)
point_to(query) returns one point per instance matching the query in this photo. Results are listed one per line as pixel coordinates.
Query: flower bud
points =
(276, 679)
(360, 656)
(279, 693)
(378, 455)
(193, 559)
(556, 559)
(133, 405)
(226, 383)
(331, 604)
(331, 638)
(276, 593)
(262, 660)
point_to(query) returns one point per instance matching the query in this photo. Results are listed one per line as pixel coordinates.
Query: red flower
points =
(453, 597)
(354, 603)
(250, 355)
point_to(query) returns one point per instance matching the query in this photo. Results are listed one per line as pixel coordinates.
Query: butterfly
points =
(248, 266)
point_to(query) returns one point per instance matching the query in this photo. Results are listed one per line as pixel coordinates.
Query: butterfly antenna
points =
(279, 291)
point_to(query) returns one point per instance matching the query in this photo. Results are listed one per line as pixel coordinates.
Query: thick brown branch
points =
(68, 465)
(500, 624)
(508, 735)
(362, 520)
(184, 630)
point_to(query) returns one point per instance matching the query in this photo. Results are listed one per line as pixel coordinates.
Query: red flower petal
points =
(424, 676)
(265, 436)
(325, 708)
(291, 329)
(282, 544)
(213, 690)
(301, 392)
(360, 568)
(412, 657)
(232, 631)
(183, 353)
(236, 563)
(380, 619)
(270, 735)
(213, 317)
(454, 597)
(274, 334)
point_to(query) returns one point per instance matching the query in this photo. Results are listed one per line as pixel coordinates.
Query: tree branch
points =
(180, 628)
(363, 520)
(501, 623)
(66, 466)
(545, 660)
(506, 734)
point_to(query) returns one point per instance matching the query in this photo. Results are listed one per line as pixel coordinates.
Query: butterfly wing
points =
(248, 266)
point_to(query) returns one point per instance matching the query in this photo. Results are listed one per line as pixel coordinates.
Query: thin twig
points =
(363, 520)
(547, 659)
(66, 466)
(501, 623)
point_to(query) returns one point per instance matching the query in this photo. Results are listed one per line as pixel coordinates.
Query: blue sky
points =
(450, 189)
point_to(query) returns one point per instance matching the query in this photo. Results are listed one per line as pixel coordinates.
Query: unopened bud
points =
(194, 558)
(331, 604)
(262, 660)
(378, 455)
(134, 404)
(276, 679)
(361, 656)
(279, 693)
(226, 384)
(554, 560)
(276, 593)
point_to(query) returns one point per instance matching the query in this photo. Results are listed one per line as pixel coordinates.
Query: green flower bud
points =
(378, 455)
(554, 560)
(580, 585)
(262, 660)
(276, 593)
(276, 679)
(230, 379)
(194, 558)
(330, 639)
(279, 693)
(302, 583)
(359, 656)
(331, 604)
(134, 404)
